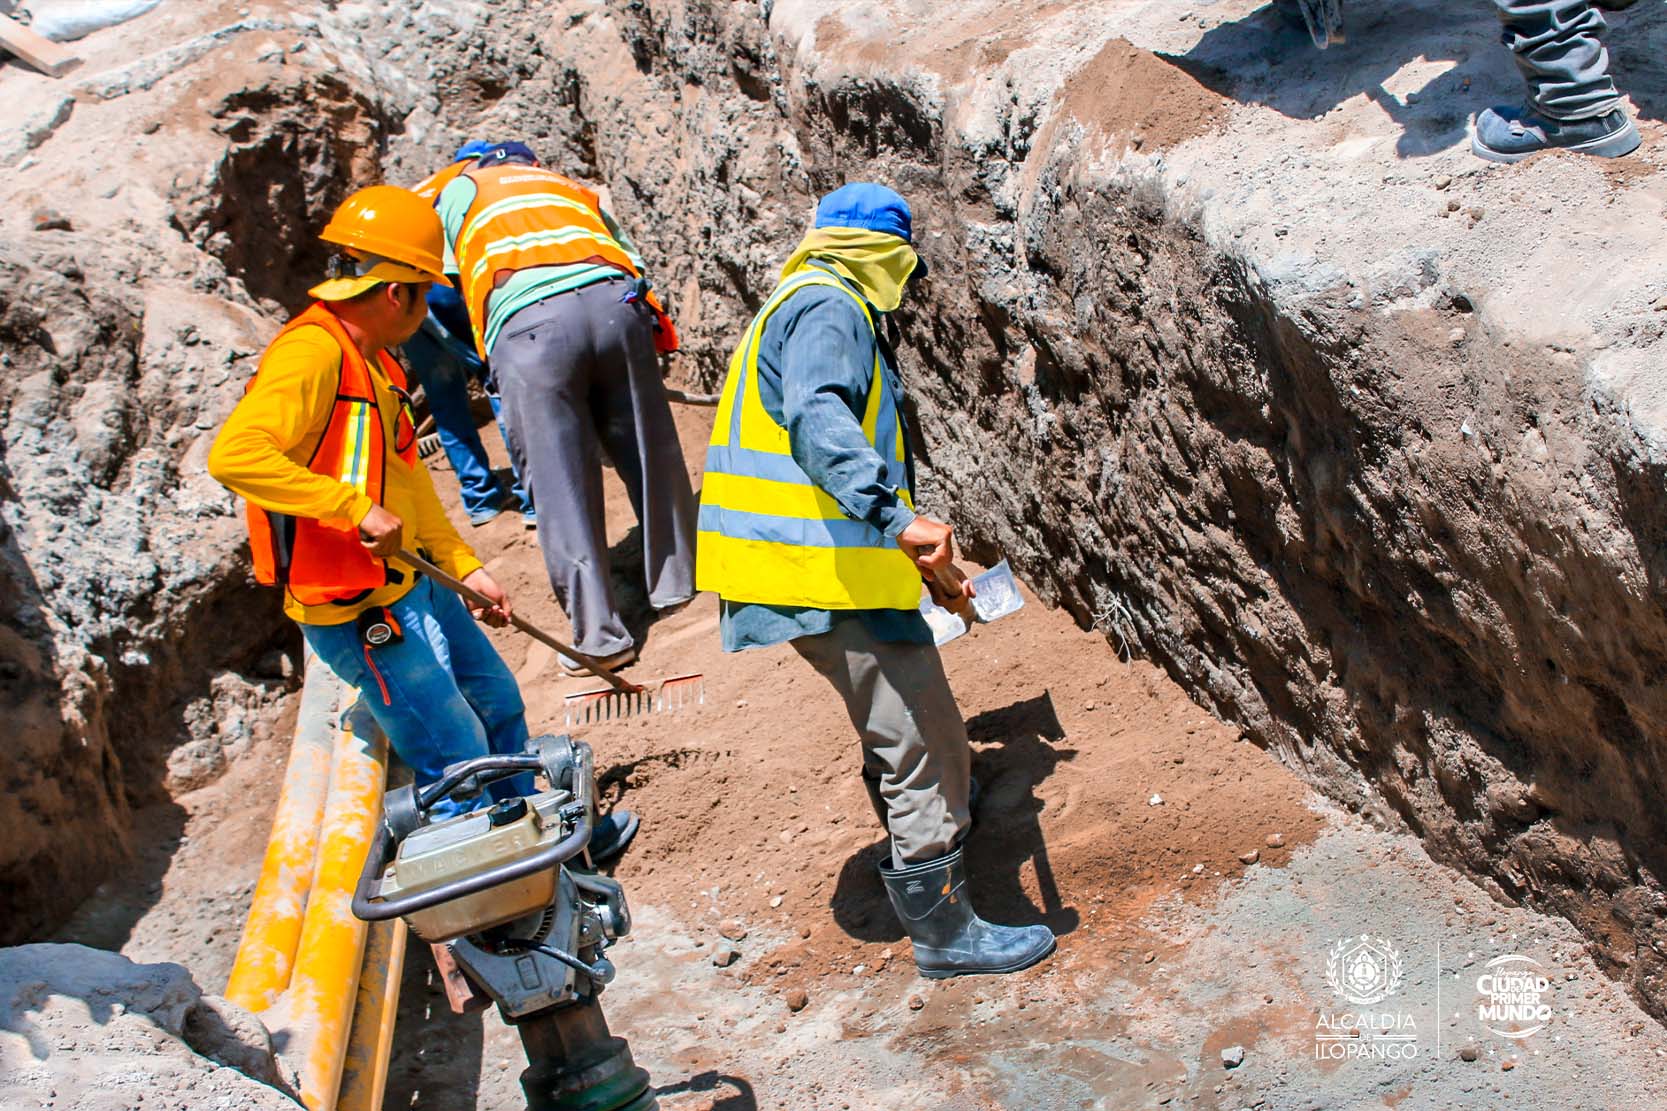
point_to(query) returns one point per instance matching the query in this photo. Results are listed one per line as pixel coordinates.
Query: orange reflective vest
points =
(526, 216)
(316, 561)
(430, 187)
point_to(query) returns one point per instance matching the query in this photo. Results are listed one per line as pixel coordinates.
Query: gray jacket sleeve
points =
(827, 361)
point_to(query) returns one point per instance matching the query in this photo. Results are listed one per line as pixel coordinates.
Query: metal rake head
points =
(661, 696)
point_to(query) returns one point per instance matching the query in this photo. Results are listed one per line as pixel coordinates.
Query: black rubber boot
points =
(949, 938)
(875, 800)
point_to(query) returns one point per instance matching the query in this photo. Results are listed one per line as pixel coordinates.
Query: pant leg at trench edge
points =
(633, 417)
(1558, 47)
(899, 700)
(486, 684)
(542, 365)
(428, 722)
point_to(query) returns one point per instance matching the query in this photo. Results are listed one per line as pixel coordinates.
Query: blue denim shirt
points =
(815, 365)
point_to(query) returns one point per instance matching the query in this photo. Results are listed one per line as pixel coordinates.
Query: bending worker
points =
(562, 313)
(442, 357)
(322, 448)
(809, 535)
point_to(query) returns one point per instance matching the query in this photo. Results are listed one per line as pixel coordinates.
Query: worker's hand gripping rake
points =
(621, 699)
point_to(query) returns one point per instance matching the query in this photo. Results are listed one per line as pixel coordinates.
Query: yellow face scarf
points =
(878, 263)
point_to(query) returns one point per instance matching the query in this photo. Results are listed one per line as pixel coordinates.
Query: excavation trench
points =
(1343, 507)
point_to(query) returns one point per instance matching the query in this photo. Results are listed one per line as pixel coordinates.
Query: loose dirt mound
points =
(1133, 95)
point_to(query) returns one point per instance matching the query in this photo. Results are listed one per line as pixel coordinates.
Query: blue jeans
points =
(441, 695)
(445, 380)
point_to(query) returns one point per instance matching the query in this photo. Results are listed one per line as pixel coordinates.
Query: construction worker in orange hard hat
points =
(323, 448)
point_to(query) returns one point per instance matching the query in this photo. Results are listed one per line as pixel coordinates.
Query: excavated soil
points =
(757, 835)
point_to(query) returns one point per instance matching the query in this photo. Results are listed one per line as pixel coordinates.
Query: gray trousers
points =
(577, 375)
(1559, 49)
(913, 739)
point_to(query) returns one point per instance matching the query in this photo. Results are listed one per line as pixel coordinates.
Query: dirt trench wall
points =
(152, 243)
(1423, 567)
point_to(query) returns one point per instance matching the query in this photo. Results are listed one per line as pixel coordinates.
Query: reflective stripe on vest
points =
(322, 561)
(527, 216)
(768, 533)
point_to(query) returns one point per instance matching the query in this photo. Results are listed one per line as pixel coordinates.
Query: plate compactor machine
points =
(506, 896)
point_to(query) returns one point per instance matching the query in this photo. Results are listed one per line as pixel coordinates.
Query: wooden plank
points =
(44, 54)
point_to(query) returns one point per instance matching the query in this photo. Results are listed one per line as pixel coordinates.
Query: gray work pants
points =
(1559, 49)
(577, 374)
(913, 739)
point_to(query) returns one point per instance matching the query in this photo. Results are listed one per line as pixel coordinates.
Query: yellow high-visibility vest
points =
(768, 533)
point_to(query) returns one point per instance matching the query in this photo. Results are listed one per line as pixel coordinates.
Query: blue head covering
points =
(862, 204)
(474, 148)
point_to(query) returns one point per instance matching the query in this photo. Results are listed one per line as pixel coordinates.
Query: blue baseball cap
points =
(474, 148)
(496, 153)
(862, 204)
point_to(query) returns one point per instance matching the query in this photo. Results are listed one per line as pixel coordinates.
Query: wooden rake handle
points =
(589, 663)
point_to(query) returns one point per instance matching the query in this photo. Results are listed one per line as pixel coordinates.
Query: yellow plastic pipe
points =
(266, 953)
(365, 1073)
(318, 1007)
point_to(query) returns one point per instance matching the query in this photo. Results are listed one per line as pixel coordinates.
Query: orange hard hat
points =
(387, 222)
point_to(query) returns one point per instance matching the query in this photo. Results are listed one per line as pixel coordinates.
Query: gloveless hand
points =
(483, 583)
(381, 533)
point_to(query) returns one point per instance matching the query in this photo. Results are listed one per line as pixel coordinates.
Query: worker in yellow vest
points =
(809, 534)
(323, 450)
(563, 313)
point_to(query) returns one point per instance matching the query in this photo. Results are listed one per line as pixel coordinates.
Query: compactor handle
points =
(367, 907)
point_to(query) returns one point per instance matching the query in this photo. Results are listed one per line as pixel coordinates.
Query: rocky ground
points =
(1189, 926)
(1230, 347)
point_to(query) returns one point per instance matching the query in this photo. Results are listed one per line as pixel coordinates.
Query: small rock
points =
(1232, 1057)
(1477, 213)
(725, 956)
(1178, 758)
(1507, 1065)
(859, 970)
(785, 837)
(50, 219)
(916, 1002)
(797, 999)
(885, 955)
(1148, 957)
(1660, 306)
(1469, 1052)
(1198, 869)
(1250, 857)
(1443, 181)
(1452, 206)
(1456, 336)
(734, 931)
(804, 931)
(741, 703)
(775, 902)
(1275, 840)
(1089, 707)
(1155, 800)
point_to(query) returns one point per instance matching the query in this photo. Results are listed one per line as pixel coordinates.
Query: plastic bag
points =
(68, 20)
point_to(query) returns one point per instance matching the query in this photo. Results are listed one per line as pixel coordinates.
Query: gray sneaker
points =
(1506, 134)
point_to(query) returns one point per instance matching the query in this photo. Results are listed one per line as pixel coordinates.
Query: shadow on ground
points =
(1266, 58)
(1015, 751)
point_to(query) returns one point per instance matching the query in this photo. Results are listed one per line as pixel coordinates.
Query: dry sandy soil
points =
(1173, 949)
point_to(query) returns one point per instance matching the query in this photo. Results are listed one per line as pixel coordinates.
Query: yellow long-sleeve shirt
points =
(262, 450)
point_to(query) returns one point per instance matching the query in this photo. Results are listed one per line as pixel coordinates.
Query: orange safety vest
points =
(319, 562)
(430, 187)
(526, 216)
